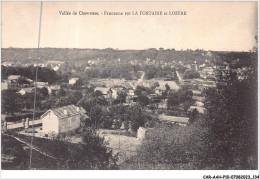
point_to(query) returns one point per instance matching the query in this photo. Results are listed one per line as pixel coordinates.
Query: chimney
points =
(65, 111)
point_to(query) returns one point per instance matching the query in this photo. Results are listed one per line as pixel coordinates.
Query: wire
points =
(35, 88)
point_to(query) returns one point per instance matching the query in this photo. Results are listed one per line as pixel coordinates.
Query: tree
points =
(194, 114)
(96, 116)
(185, 95)
(89, 101)
(61, 92)
(121, 97)
(190, 74)
(89, 90)
(78, 84)
(150, 72)
(98, 93)
(167, 87)
(135, 116)
(48, 103)
(77, 95)
(10, 101)
(43, 93)
(182, 96)
(64, 85)
(116, 115)
(66, 100)
(231, 120)
(22, 80)
(44, 74)
(95, 107)
(173, 100)
(156, 84)
(143, 100)
(138, 90)
(93, 153)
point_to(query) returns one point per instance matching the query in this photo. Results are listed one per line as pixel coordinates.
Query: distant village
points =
(111, 89)
(125, 101)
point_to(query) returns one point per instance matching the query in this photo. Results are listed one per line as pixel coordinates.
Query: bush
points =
(190, 74)
(169, 146)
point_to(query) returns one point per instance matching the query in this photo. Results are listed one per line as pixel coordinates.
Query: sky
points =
(220, 26)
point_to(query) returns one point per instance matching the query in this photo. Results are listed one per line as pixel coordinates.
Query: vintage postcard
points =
(129, 86)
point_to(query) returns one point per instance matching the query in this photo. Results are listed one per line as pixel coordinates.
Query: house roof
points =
(104, 90)
(85, 116)
(41, 83)
(74, 79)
(29, 80)
(55, 87)
(27, 90)
(56, 68)
(183, 120)
(82, 110)
(196, 92)
(131, 92)
(12, 77)
(71, 111)
(200, 109)
(128, 85)
(198, 98)
(198, 103)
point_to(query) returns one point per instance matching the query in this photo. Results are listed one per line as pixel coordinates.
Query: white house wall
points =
(50, 123)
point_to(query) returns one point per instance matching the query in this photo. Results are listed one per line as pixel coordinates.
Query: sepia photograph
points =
(130, 86)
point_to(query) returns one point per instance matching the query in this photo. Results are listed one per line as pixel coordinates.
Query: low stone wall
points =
(143, 133)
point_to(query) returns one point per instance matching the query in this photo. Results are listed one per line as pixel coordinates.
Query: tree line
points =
(44, 74)
(186, 56)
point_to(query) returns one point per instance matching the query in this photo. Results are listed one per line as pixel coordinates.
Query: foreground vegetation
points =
(16, 156)
(92, 153)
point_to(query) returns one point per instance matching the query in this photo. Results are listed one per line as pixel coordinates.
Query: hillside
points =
(27, 55)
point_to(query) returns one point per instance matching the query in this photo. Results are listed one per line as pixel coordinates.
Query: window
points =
(69, 122)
